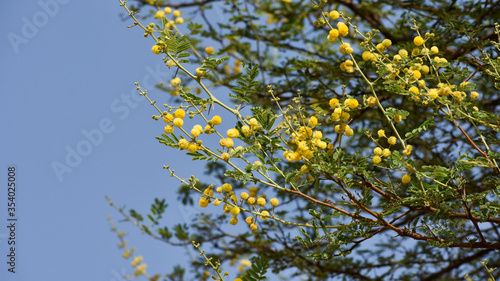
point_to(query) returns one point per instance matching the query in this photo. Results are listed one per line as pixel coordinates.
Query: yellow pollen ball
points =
(227, 187)
(235, 211)
(313, 121)
(333, 35)
(233, 133)
(418, 40)
(381, 133)
(343, 29)
(183, 143)
(216, 120)
(179, 20)
(233, 220)
(168, 118)
(192, 147)
(169, 129)
(264, 215)
(203, 202)
(334, 15)
(209, 50)
(249, 220)
(406, 179)
(261, 202)
(156, 49)
(178, 122)
(179, 113)
(392, 140)
(376, 159)
(159, 14)
(274, 202)
(177, 13)
(244, 195)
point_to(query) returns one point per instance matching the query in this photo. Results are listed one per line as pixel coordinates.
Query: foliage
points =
(370, 147)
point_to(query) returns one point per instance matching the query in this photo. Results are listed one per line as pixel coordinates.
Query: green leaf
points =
(423, 127)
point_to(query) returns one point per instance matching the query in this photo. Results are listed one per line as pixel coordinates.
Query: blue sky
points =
(67, 75)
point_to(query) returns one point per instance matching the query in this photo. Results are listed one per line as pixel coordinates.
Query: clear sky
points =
(75, 130)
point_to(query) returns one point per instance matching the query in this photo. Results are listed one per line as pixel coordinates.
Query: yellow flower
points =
(251, 200)
(178, 122)
(387, 43)
(333, 35)
(235, 211)
(168, 118)
(392, 140)
(345, 48)
(253, 227)
(176, 81)
(434, 50)
(233, 220)
(406, 179)
(126, 253)
(136, 261)
(386, 152)
(264, 215)
(170, 63)
(156, 49)
(376, 159)
(159, 14)
(414, 90)
(418, 40)
(474, 95)
(168, 10)
(246, 263)
(381, 134)
(352, 103)
(227, 187)
(403, 53)
(334, 15)
(195, 132)
(179, 20)
(313, 121)
(372, 101)
(249, 220)
(169, 129)
(209, 50)
(244, 195)
(275, 202)
(261, 201)
(183, 143)
(177, 13)
(343, 29)
(216, 120)
(433, 93)
(333, 103)
(141, 269)
(233, 133)
(192, 147)
(377, 151)
(203, 202)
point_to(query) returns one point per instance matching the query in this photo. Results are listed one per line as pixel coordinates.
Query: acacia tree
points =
(365, 141)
